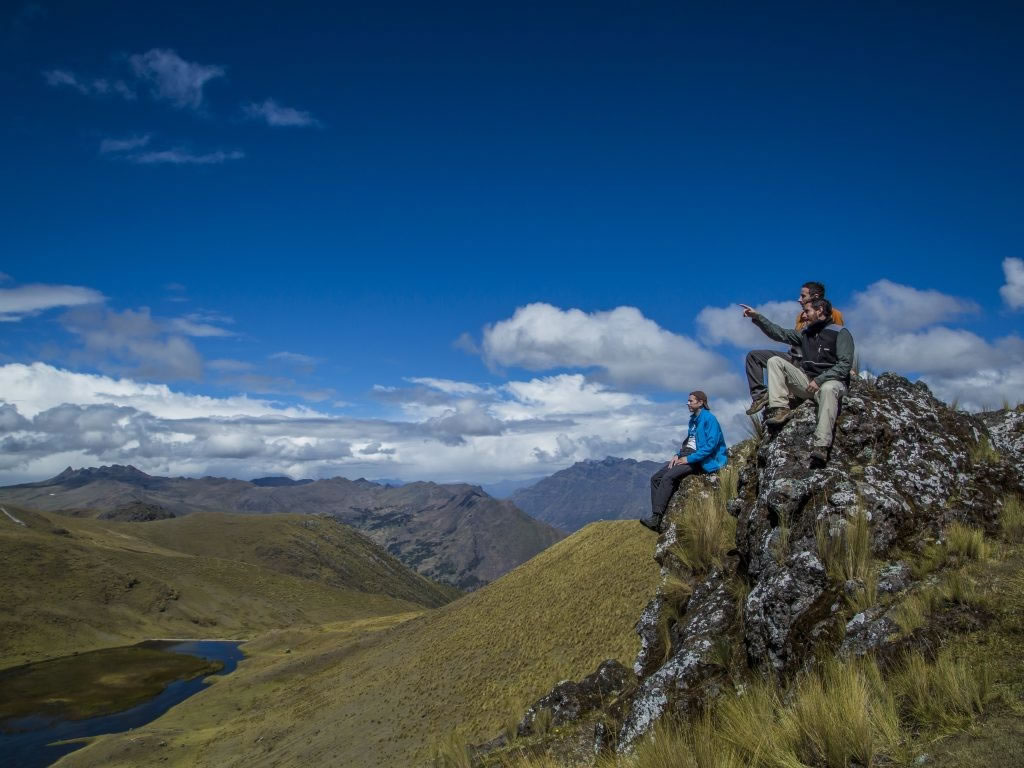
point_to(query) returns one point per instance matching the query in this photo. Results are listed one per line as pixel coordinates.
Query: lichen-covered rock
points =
(569, 701)
(1006, 431)
(900, 455)
(867, 631)
(679, 684)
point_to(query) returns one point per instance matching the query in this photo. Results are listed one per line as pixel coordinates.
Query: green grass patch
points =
(983, 452)
(1011, 519)
(706, 530)
(945, 694)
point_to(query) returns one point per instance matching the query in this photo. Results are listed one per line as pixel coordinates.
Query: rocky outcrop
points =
(903, 467)
(900, 456)
(1006, 432)
(137, 512)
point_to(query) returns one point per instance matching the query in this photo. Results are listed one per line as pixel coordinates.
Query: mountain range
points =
(609, 489)
(454, 533)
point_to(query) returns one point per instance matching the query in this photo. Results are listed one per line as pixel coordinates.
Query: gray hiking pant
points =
(785, 380)
(757, 360)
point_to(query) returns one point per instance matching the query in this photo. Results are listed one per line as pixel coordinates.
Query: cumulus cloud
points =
(173, 79)
(1013, 291)
(727, 325)
(50, 418)
(620, 345)
(276, 115)
(26, 300)
(179, 156)
(902, 308)
(108, 146)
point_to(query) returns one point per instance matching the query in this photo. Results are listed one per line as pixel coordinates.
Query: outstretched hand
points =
(749, 311)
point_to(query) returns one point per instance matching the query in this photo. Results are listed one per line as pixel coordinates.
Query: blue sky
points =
(482, 241)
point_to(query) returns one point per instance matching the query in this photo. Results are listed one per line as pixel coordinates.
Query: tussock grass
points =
(960, 544)
(966, 542)
(739, 588)
(983, 452)
(706, 530)
(1011, 519)
(451, 751)
(674, 745)
(847, 557)
(840, 714)
(676, 590)
(843, 712)
(780, 544)
(943, 695)
(917, 609)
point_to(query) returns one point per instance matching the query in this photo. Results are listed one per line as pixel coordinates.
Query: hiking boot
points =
(759, 401)
(776, 417)
(653, 522)
(819, 456)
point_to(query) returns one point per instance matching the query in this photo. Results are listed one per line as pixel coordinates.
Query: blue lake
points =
(28, 743)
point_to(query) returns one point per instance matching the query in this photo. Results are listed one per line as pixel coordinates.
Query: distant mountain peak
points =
(278, 480)
(122, 472)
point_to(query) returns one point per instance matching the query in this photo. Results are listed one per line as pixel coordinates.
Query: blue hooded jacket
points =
(711, 453)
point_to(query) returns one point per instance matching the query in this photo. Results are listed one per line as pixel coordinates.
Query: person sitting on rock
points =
(702, 451)
(823, 374)
(757, 359)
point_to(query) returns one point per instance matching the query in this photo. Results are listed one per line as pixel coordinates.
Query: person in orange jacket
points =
(757, 359)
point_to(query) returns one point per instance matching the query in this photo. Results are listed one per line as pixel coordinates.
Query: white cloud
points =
(39, 387)
(180, 156)
(50, 418)
(200, 325)
(123, 145)
(274, 114)
(625, 347)
(727, 325)
(25, 300)
(450, 386)
(1013, 291)
(564, 394)
(173, 79)
(896, 307)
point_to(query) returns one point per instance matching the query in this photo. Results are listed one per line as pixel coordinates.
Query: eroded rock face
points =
(568, 701)
(680, 684)
(900, 455)
(1006, 431)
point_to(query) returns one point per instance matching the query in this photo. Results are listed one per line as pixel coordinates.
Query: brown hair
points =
(703, 398)
(815, 289)
(822, 305)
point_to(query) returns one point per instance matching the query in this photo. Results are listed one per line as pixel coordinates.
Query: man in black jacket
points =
(823, 373)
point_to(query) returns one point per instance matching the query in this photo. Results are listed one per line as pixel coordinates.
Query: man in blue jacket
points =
(702, 451)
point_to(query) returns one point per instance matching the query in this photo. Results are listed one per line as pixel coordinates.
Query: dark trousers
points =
(757, 361)
(664, 483)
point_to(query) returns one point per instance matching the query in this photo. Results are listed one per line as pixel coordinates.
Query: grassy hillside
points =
(75, 584)
(375, 692)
